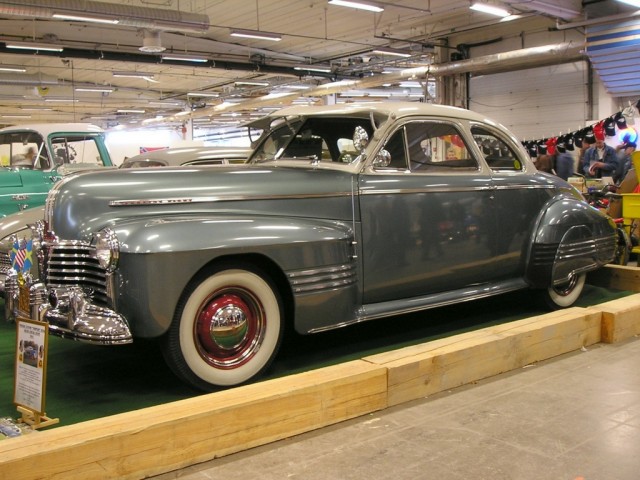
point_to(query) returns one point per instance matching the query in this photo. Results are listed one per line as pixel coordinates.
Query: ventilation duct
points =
(151, 42)
(124, 15)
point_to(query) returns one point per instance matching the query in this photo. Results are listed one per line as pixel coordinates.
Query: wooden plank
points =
(171, 436)
(616, 276)
(620, 318)
(419, 371)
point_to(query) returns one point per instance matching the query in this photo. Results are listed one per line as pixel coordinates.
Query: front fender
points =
(159, 257)
(571, 237)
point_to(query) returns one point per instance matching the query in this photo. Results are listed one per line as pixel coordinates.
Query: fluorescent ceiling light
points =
(313, 68)
(62, 100)
(133, 74)
(94, 89)
(633, 3)
(491, 9)
(129, 111)
(508, 18)
(34, 46)
(202, 94)
(274, 37)
(391, 51)
(166, 104)
(184, 58)
(16, 115)
(8, 68)
(86, 18)
(358, 5)
(248, 82)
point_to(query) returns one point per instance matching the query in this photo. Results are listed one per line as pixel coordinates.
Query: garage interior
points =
(569, 407)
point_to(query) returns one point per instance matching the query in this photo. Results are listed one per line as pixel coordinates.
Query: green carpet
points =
(87, 381)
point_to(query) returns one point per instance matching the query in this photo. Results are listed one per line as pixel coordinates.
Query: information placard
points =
(31, 364)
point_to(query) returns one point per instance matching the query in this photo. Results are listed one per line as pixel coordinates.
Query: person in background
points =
(564, 163)
(600, 159)
(625, 151)
(30, 155)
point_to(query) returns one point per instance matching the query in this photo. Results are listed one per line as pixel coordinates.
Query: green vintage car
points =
(34, 157)
(342, 214)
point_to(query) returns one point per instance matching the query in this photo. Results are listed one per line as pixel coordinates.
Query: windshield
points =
(319, 138)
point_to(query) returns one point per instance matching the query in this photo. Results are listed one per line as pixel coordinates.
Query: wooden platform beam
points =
(620, 319)
(617, 277)
(422, 370)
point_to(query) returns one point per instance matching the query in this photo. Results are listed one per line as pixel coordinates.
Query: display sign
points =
(31, 364)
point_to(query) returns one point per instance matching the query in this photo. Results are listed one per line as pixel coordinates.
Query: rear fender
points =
(571, 237)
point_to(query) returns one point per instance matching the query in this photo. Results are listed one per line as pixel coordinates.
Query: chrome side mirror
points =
(360, 138)
(383, 159)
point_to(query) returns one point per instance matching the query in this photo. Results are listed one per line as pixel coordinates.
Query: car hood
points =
(80, 205)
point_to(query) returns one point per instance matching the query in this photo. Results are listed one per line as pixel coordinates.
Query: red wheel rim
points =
(230, 327)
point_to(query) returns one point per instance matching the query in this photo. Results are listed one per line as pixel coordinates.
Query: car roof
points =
(176, 156)
(384, 109)
(46, 129)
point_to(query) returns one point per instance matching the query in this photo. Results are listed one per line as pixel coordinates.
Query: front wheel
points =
(565, 294)
(226, 330)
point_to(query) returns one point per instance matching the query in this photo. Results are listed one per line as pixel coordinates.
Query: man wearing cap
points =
(626, 149)
(600, 159)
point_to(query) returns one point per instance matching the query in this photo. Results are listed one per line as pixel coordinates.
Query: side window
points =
(498, 154)
(397, 150)
(24, 150)
(76, 149)
(434, 146)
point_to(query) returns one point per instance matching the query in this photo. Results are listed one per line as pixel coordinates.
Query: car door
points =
(519, 198)
(427, 216)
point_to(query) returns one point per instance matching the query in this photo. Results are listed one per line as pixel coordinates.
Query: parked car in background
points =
(342, 214)
(34, 157)
(198, 155)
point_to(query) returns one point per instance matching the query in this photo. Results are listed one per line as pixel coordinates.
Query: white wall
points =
(127, 143)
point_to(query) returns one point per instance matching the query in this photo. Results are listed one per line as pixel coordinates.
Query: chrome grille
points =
(5, 262)
(76, 265)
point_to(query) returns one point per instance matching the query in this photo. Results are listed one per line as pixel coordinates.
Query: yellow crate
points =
(631, 205)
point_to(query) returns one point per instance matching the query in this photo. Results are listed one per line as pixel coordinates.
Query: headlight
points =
(107, 249)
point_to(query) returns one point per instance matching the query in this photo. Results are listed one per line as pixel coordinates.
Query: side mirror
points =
(360, 138)
(383, 159)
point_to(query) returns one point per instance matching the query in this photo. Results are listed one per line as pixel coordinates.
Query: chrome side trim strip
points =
(225, 198)
(400, 307)
(326, 278)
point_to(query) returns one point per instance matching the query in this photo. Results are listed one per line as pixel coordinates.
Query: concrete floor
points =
(573, 417)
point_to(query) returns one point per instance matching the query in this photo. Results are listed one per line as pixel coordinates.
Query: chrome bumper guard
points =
(70, 314)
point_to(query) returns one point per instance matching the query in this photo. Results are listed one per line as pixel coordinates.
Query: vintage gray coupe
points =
(342, 214)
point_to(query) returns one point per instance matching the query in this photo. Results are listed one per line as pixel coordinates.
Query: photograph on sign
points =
(30, 373)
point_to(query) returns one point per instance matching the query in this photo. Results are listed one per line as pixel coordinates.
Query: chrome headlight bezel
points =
(107, 249)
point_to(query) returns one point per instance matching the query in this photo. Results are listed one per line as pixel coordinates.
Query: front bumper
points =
(68, 311)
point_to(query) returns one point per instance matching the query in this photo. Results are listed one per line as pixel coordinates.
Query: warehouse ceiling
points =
(136, 66)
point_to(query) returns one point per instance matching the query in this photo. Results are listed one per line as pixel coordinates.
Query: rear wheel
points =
(565, 294)
(226, 330)
(623, 248)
